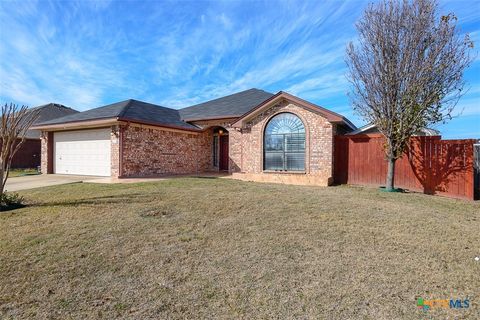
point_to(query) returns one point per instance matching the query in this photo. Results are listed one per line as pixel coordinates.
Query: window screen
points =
(284, 143)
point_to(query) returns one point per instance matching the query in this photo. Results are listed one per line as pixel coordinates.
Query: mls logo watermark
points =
(443, 303)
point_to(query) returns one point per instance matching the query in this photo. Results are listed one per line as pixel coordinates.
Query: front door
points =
(223, 163)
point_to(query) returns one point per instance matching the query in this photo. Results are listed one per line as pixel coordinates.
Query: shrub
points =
(10, 201)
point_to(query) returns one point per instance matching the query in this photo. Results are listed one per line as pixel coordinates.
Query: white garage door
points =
(82, 152)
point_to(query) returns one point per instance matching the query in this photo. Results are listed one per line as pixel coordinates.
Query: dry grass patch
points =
(217, 248)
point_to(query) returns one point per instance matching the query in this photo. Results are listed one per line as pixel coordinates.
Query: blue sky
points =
(90, 53)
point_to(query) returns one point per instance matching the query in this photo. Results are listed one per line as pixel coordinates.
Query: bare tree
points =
(15, 122)
(406, 70)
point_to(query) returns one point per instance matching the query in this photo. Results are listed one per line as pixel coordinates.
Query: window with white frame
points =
(284, 143)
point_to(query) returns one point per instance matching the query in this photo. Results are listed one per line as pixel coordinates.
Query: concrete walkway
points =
(43, 180)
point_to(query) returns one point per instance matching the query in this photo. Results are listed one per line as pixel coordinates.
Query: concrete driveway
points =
(44, 180)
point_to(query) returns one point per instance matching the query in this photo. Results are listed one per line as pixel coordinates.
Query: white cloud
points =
(225, 21)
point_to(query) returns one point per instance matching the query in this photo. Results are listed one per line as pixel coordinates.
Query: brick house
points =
(253, 134)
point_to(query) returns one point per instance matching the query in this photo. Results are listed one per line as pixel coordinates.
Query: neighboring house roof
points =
(128, 110)
(371, 128)
(48, 112)
(329, 115)
(231, 106)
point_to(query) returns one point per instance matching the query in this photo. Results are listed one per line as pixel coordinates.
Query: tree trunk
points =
(390, 175)
(2, 185)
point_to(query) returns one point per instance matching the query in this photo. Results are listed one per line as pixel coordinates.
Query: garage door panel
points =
(83, 152)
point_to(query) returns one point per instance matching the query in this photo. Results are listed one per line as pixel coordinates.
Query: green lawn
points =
(21, 172)
(193, 248)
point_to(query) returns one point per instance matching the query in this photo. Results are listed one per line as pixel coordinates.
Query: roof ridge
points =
(155, 105)
(229, 95)
(125, 108)
(59, 105)
(131, 101)
(52, 104)
(41, 106)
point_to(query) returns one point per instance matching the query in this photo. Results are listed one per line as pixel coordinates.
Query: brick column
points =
(46, 163)
(116, 141)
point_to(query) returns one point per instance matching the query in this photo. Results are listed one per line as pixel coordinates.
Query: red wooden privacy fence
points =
(28, 156)
(430, 165)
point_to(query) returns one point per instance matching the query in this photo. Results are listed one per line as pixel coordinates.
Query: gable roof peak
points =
(329, 115)
(50, 105)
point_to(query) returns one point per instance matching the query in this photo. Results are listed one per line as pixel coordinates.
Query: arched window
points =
(284, 143)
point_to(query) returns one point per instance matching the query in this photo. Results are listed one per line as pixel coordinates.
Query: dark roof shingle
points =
(233, 105)
(132, 110)
(48, 112)
(108, 111)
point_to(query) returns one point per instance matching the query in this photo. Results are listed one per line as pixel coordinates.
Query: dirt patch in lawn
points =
(218, 248)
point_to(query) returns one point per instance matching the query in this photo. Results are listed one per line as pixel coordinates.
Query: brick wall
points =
(236, 148)
(46, 162)
(210, 126)
(149, 151)
(138, 150)
(115, 151)
(246, 148)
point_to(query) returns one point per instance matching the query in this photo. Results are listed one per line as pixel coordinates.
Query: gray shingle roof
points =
(233, 105)
(48, 112)
(132, 110)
